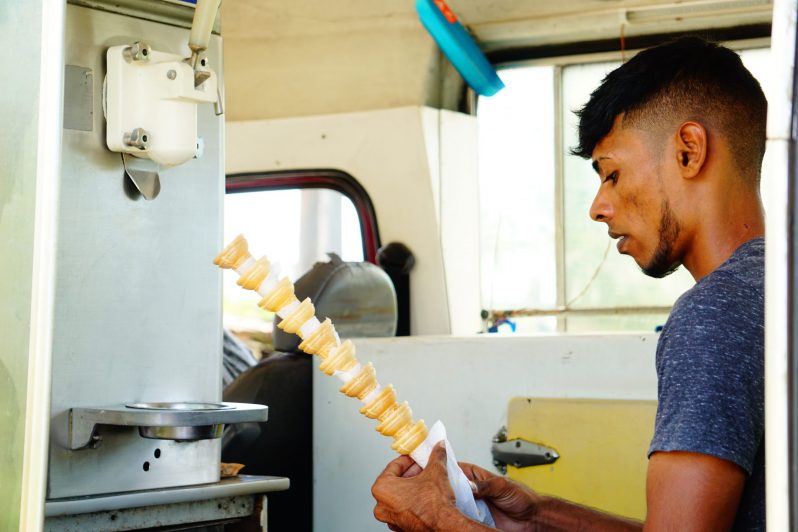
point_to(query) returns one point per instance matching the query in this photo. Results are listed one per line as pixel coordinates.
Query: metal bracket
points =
(519, 453)
(154, 421)
(143, 174)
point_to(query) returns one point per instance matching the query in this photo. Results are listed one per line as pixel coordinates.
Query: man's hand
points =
(410, 499)
(512, 505)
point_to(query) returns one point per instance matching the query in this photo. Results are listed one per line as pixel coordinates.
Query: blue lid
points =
(459, 47)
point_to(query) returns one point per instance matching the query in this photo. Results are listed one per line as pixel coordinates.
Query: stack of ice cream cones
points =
(320, 339)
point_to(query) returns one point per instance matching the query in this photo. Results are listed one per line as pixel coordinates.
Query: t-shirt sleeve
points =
(711, 375)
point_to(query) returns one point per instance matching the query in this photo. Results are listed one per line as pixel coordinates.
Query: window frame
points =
(735, 37)
(329, 179)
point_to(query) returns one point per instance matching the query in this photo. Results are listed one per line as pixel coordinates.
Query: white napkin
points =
(463, 495)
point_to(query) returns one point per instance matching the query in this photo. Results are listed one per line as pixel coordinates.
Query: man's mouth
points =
(622, 239)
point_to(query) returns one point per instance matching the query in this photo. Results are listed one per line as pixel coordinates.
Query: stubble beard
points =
(663, 263)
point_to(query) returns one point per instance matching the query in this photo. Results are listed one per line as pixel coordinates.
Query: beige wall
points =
(298, 58)
(409, 159)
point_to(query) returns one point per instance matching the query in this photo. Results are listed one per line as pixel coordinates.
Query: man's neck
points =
(722, 230)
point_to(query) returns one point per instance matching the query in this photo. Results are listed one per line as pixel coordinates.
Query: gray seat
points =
(358, 297)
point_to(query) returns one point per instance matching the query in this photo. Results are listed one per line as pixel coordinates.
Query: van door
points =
(594, 450)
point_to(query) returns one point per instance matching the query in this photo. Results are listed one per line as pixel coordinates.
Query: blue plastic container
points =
(459, 47)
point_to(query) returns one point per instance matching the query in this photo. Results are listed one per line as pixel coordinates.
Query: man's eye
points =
(613, 176)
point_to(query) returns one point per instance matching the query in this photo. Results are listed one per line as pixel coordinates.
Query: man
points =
(676, 136)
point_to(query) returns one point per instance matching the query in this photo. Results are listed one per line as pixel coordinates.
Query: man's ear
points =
(691, 148)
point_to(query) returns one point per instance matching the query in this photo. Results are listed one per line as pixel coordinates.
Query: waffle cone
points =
(234, 254)
(380, 404)
(410, 437)
(361, 384)
(395, 418)
(279, 297)
(341, 359)
(321, 341)
(255, 275)
(297, 317)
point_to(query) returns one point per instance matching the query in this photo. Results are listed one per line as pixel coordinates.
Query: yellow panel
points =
(602, 446)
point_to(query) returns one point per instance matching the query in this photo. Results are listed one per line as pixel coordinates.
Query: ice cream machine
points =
(136, 370)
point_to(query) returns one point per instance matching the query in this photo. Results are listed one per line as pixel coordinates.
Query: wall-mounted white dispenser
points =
(151, 98)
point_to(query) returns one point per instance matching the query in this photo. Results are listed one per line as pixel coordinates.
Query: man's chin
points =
(656, 267)
(658, 270)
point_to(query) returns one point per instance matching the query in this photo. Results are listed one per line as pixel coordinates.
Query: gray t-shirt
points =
(710, 370)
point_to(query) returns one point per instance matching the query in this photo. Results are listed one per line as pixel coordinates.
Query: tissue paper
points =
(463, 495)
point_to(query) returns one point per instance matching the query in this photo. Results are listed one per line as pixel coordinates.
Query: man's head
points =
(675, 126)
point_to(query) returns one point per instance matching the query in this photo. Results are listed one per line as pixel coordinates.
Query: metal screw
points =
(139, 51)
(171, 74)
(138, 138)
(95, 441)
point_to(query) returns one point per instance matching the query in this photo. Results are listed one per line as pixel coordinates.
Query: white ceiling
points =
(264, 19)
(274, 18)
(301, 57)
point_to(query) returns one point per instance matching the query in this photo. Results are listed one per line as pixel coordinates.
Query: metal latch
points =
(519, 453)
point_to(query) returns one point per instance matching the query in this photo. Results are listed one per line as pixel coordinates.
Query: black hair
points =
(685, 79)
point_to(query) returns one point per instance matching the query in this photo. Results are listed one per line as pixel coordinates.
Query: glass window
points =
(545, 263)
(294, 228)
(517, 185)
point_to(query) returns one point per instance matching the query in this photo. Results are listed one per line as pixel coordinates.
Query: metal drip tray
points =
(195, 407)
(182, 421)
(199, 432)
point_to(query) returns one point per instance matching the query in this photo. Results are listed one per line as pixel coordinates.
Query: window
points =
(517, 190)
(295, 226)
(545, 264)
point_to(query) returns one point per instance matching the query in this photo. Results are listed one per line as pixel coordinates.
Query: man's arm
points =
(553, 514)
(685, 491)
(517, 508)
(692, 491)
(413, 501)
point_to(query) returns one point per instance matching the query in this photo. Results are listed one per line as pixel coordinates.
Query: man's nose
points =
(601, 210)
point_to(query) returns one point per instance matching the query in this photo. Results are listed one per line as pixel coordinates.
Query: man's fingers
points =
(397, 468)
(436, 465)
(492, 487)
(412, 471)
(438, 455)
(384, 516)
(409, 503)
(474, 472)
(381, 514)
